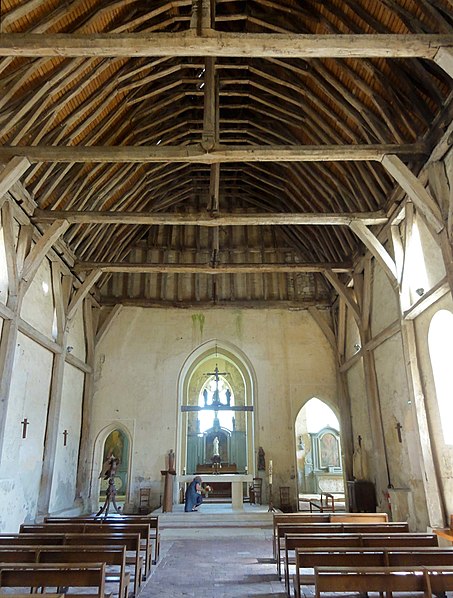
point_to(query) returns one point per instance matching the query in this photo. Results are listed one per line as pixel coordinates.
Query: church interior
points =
(217, 215)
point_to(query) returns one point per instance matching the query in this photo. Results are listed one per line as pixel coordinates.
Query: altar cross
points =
(24, 423)
(216, 374)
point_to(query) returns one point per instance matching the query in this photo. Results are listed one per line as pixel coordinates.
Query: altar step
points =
(215, 520)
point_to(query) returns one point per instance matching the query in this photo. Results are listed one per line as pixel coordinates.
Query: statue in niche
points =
(205, 397)
(261, 459)
(228, 396)
(215, 447)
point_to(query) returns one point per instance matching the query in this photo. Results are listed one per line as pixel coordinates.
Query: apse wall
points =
(139, 361)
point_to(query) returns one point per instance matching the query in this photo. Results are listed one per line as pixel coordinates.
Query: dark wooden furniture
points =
(361, 496)
(257, 490)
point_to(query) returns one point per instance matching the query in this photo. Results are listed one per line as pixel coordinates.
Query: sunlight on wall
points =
(440, 341)
(320, 415)
(3, 267)
(417, 275)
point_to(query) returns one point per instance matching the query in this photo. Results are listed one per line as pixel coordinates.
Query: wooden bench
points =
(153, 522)
(131, 542)
(321, 541)
(308, 558)
(44, 575)
(386, 580)
(333, 528)
(81, 528)
(324, 518)
(110, 555)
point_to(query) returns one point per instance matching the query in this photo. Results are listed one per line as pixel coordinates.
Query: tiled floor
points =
(215, 553)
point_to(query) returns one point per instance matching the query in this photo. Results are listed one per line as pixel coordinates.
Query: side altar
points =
(237, 482)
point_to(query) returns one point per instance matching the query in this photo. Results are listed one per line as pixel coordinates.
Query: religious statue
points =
(261, 459)
(215, 447)
(228, 396)
(205, 397)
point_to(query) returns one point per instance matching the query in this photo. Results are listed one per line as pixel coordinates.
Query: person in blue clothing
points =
(193, 495)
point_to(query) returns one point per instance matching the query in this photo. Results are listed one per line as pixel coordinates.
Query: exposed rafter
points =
(209, 269)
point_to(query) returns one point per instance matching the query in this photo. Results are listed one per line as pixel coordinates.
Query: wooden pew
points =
(333, 528)
(429, 580)
(81, 528)
(322, 541)
(44, 575)
(324, 518)
(110, 555)
(130, 541)
(152, 520)
(308, 558)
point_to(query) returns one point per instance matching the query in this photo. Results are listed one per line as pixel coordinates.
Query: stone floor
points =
(215, 553)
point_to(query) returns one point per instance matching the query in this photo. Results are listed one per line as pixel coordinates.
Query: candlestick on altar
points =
(270, 471)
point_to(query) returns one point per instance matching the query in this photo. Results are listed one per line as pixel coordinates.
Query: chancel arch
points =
(318, 449)
(216, 411)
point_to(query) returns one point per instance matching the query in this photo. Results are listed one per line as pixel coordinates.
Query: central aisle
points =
(215, 553)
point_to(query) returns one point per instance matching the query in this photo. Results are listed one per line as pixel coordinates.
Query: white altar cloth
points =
(236, 480)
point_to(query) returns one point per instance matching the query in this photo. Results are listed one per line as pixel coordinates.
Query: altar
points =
(236, 480)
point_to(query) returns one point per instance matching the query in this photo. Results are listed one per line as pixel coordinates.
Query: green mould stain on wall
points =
(239, 326)
(198, 322)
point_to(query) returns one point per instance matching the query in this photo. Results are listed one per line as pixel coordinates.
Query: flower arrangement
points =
(206, 489)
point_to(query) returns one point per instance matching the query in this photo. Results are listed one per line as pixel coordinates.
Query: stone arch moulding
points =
(98, 448)
(232, 353)
(334, 408)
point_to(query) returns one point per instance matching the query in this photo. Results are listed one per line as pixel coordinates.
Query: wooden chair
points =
(257, 490)
(285, 502)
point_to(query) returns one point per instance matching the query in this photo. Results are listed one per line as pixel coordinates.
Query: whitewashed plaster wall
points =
(140, 358)
(37, 307)
(64, 474)
(20, 471)
(443, 453)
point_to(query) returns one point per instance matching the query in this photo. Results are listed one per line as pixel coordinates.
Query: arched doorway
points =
(318, 450)
(216, 402)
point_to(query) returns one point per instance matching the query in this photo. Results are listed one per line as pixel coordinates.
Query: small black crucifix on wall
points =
(24, 423)
(399, 427)
(65, 437)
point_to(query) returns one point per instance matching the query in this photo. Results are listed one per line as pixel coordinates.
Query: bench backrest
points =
(75, 527)
(116, 519)
(336, 528)
(130, 541)
(373, 557)
(359, 517)
(112, 555)
(293, 541)
(384, 579)
(45, 575)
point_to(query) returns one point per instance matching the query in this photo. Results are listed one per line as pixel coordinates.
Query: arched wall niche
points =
(97, 462)
(205, 356)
